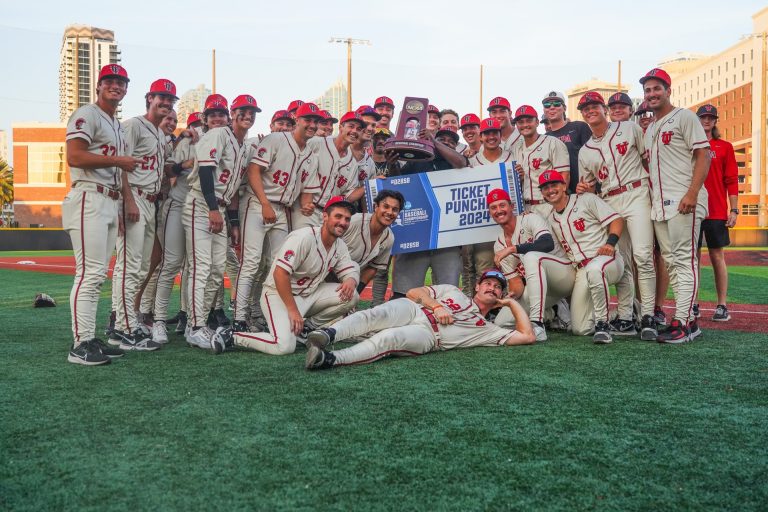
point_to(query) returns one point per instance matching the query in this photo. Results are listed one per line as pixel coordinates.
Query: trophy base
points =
(412, 150)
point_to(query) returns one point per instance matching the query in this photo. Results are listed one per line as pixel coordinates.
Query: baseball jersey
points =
(185, 150)
(105, 136)
(144, 140)
(304, 257)
(366, 170)
(581, 226)
(615, 159)
(669, 143)
(510, 141)
(470, 327)
(336, 174)
(286, 166)
(528, 227)
(361, 250)
(544, 154)
(220, 148)
(480, 159)
(723, 178)
(461, 147)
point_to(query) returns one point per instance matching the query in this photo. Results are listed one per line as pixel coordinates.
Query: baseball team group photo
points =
(239, 299)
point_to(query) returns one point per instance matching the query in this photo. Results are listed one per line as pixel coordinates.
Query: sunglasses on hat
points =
(556, 103)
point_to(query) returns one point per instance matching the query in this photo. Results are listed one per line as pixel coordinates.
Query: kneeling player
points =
(429, 319)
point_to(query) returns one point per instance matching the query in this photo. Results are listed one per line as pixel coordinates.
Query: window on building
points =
(725, 134)
(46, 164)
(742, 77)
(734, 79)
(750, 209)
(726, 83)
(742, 179)
(742, 58)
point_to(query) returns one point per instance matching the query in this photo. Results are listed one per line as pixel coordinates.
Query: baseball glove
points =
(43, 300)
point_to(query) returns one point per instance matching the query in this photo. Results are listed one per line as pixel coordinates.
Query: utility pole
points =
(349, 42)
(480, 112)
(762, 214)
(214, 72)
(618, 84)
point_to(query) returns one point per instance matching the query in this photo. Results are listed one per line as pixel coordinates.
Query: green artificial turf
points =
(563, 425)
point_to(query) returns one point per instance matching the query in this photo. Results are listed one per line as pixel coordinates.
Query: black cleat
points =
(107, 350)
(240, 326)
(318, 359)
(623, 327)
(602, 334)
(221, 318)
(648, 330)
(181, 322)
(111, 324)
(223, 340)
(676, 333)
(88, 354)
(322, 337)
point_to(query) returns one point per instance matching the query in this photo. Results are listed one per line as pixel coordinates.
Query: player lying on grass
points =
(429, 319)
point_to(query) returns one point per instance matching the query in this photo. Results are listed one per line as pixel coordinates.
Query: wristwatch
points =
(735, 210)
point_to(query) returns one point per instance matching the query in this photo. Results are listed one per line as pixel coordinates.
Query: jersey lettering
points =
(280, 178)
(108, 150)
(224, 176)
(149, 162)
(666, 137)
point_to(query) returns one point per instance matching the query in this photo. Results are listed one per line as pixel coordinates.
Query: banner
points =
(447, 208)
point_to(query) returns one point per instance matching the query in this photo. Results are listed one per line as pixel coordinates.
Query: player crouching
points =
(429, 319)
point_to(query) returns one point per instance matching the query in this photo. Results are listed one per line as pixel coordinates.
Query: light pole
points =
(349, 42)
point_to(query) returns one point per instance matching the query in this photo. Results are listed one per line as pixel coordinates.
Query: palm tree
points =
(6, 183)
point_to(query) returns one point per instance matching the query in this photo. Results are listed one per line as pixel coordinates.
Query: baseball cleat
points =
(138, 341)
(87, 354)
(222, 340)
(694, 331)
(200, 338)
(676, 333)
(159, 332)
(109, 351)
(240, 326)
(318, 359)
(648, 331)
(111, 324)
(659, 316)
(221, 318)
(721, 314)
(181, 322)
(623, 327)
(696, 311)
(602, 334)
(321, 338)
(540, 332)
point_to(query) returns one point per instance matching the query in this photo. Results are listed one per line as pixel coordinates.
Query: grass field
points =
(563, 425)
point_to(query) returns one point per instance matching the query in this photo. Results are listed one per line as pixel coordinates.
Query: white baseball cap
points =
(554, 95)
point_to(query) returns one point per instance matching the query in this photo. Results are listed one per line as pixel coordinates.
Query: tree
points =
(6, 184)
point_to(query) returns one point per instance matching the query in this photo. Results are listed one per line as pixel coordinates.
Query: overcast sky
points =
(278, 50)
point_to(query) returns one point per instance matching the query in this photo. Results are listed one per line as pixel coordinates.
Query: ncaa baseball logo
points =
(666, 137)
(622, 148)
(79, 123)
(579, 224)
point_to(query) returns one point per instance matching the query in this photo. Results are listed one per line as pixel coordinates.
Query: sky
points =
(279, 51)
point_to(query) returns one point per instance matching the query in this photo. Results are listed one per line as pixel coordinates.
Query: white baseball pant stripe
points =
(90, 219)
(173, 241)
(133, 249)
(677, 239)
(589, 300)
(207, 254)
(321, 307)
(253, 235)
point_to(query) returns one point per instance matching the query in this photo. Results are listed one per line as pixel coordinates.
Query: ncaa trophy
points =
(406, 142)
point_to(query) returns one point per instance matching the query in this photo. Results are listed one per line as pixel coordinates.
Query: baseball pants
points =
(232, 264)
(589, 300)
(635, 244)
(207, 254)
(321, 307)
(476, 259)
(677, 238)
(411, 268)
(379, 285)
(298, 220)
(253, 235)
(90, 219)
(173, 241)
(134, 248)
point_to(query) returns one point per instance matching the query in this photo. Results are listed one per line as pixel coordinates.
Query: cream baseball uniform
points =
(337, 176)
(284, 163)
(361, 249)
(143, 140)
(304, 257)
(207, 251)
(549, 277)
(670, 142)
(581, 229)
(615, 160)
(89, 214)
(509, 143)
(544, 154)
(404, 328)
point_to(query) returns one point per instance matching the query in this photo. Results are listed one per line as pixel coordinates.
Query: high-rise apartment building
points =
(573, 95)
(334, 100)
(191, 101)
(84, 50)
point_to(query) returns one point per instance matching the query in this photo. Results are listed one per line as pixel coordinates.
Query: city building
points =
(84, 51)
(334, 100)
(732, 81)
(191, 101)
(576, 92)
(40, 173)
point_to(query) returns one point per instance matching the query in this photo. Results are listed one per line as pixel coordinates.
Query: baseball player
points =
(96, 154)
(500, 109)
(588, 230)
(470, 130)
(282, 121)
(571, 133)
(221, 163)
(429, 319)
(274, 185)
(644, 116)
(433, 118)
(141, 190)
(620, 107)
(385, 107)
(537, 270)
(325, 125)
(613, 157)
(361, 151)
(336, 170)
(449, 117)
(678, 153)
(293, 107)
(535, 154)
(296, 289)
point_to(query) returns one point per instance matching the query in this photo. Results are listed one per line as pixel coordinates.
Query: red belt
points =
(110, 193)
(624, 188)
(534, 202)
(149, 197)
(583, 263)
(432, 320)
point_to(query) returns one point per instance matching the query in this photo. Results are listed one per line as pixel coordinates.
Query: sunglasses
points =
(548, 104)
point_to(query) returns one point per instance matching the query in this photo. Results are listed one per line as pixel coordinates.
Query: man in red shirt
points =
(722, 185)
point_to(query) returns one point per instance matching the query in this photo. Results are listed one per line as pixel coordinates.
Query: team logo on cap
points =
(552, 94)
(288, 256)
(168, 86)
(495, 101)
(666, 137)
(536, 163)
(212, 154)
(579, 224)
(115, 69)
(494, 197)
(79, 123)
(708, 108)
(622, 148)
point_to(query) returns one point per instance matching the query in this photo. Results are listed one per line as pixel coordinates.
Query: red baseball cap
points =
(282, 114)
(194, 117)
(707, 110)
(163, 86)
(620, 97)
(550, 176)
(497, 194)
(383, 100)
(294, 105)
(499, 101)
(216, 102)
(590, 98)
(327, 116)
(642, 109)
(658, 74)
(450, 130)
(245, 101)
(339, 201)
(525, 111)
(488, 124)
(433, 110)
(308, 110)
(367, 110)
(352, 116)
(469, 120)
(113, 71)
